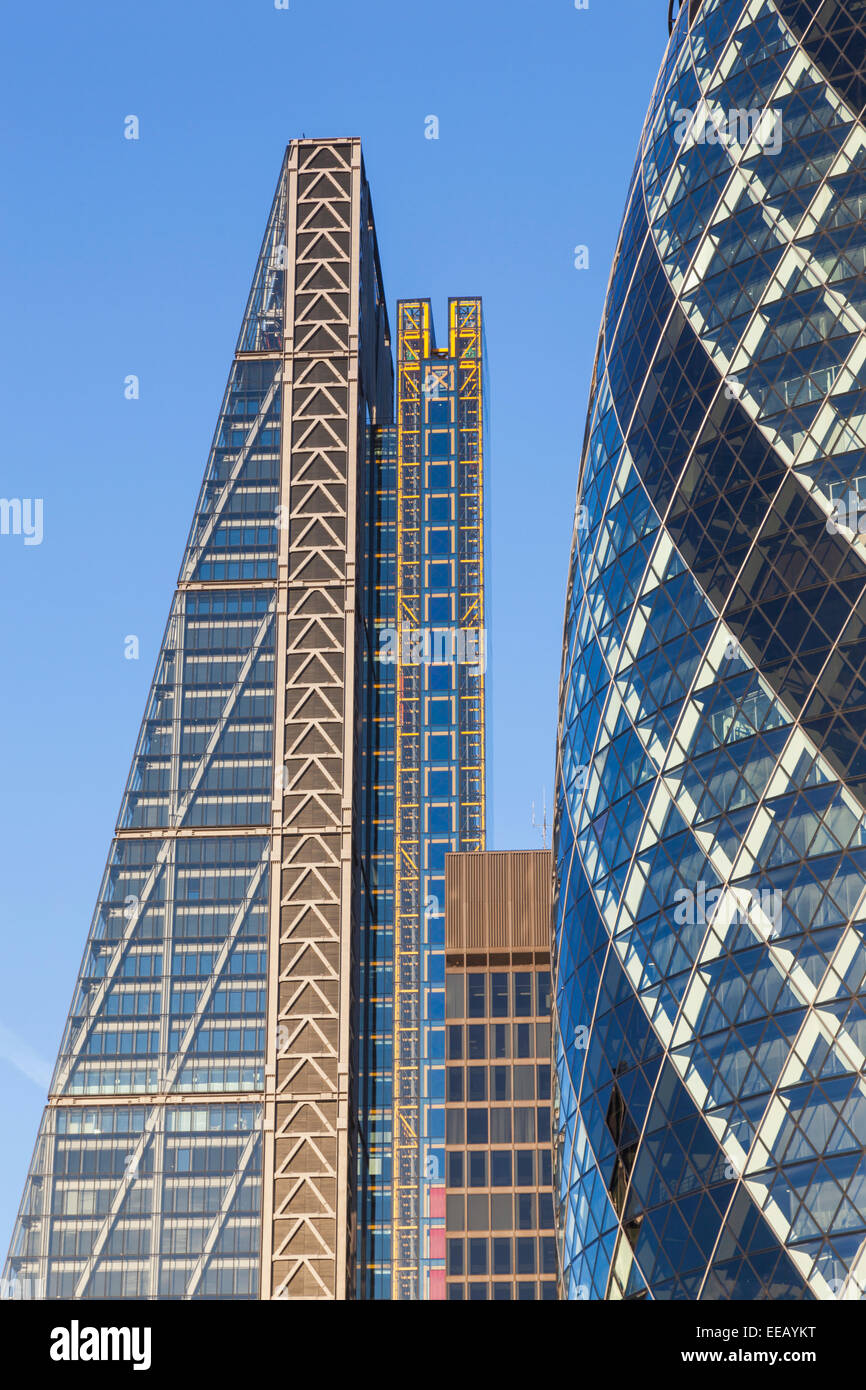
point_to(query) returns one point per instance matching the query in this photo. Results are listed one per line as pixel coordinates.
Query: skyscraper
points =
(499, 1198)
(711, 812)
(219, 1121)
(431, 680)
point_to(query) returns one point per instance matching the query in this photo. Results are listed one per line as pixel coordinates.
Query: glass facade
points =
(222, 1117)
(375, 1061)
(159, 1194)
(439, 742)
(499, 1241)
(710, 1116)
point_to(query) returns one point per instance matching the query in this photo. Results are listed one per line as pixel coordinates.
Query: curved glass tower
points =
(711, 808)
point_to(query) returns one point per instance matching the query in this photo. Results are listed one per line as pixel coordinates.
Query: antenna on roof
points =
(542, 824)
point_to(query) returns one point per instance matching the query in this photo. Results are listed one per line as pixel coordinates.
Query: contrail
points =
(19, 1053)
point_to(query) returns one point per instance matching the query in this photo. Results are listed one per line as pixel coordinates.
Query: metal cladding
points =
(309, 1158)
(498, 901)
(710, 839)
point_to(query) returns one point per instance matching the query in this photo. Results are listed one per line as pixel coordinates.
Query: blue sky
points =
(124, 257)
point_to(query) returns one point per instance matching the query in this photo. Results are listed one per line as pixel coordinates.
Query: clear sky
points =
(134, 257)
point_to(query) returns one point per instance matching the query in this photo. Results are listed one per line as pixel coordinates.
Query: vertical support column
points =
(273, 1035)
(309, 1163)
(467, 349)
(413, 350)
(346, 1175)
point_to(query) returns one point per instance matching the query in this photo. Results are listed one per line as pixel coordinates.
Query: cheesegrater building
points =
(249, 1097)
(710, 848)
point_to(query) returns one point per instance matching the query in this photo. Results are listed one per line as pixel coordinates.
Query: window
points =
(454, 1212)
(454, 1127)
(501, 1216)
(500, 1083)
(525, 1254)
(525, 1166)
(478, 1168)
(454, 1001)
(524, 1083)
(439, 443)
(499, 995)
(524, 1125)
(476, 1126)
(523, 1040)
(439, 713)
(439, 679)
(477, 1083)
(501, 1255)
(440, 541)
(478, 1214)
(435, 855)
(439, 747)
(439, 609)
(525, 1211)
(500, 1126)
(500, 1168)
(477, 1042)
(439, 820)
(439, 574)
(476, 994)
(522, 993)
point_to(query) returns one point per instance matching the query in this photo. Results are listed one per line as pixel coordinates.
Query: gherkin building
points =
(710, 918)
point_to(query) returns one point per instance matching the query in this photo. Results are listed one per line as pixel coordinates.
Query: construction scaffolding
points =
(439, 740)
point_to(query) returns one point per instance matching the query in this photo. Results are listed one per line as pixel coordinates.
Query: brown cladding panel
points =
(499, 900)
(308, 1162)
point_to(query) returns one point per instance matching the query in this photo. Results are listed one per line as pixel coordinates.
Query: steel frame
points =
(308, 1167)
(423, 374)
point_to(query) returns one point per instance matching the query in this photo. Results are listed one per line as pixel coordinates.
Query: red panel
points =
(437, 1243)
(437, 1201)
(437, 1284)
